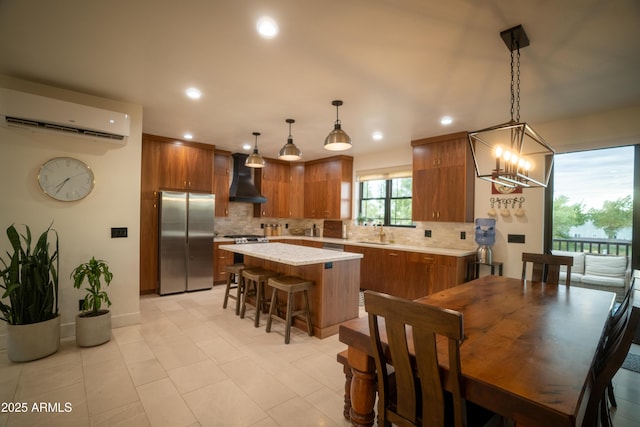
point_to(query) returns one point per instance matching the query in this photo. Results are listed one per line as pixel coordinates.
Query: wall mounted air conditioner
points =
(34, 112)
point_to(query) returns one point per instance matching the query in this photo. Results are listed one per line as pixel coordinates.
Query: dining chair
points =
(609, 359)
(546, 268)
(408, 398)
(619, 311)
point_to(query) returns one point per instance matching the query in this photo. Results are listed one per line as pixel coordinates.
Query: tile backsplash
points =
(443, 234)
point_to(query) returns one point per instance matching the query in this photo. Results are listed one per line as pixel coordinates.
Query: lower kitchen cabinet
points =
(221, 259)
(408, 274)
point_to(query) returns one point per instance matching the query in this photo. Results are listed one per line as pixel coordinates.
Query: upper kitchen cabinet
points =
(443, 179)
(221, 181)
(167, 164)
(296, 190)
(273, 182)
(327, 188)
(181, 165)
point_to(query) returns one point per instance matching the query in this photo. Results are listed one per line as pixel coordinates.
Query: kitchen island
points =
(336, 277)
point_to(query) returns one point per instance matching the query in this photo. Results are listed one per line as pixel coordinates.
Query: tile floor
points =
(191, 363)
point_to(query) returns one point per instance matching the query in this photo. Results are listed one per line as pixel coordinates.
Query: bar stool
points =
(290, 285)
(234, 275)
(255, 278)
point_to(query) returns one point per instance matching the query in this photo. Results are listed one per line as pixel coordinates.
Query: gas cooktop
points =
(247, 238)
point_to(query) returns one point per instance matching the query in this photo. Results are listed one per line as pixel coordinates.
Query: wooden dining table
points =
(527, 353)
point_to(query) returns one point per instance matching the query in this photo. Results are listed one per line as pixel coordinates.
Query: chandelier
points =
(512, 154)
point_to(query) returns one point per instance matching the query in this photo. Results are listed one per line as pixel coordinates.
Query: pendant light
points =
(512, 154)
(290, 152)
(337, 140)
(255, 160)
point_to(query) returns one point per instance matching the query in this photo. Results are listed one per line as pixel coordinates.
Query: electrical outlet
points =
(463, 235)
(427, 233)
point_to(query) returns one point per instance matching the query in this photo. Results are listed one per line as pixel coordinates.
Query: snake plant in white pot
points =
(93, 323)
(29, 278)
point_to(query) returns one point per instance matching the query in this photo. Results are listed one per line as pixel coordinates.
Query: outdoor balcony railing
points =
(594, 246)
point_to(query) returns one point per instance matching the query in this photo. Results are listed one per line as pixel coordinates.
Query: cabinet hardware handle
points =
(393, 254)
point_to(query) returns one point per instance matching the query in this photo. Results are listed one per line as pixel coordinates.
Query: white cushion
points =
(575, 277)
(578, 262)
(618, 282)
(605, 265)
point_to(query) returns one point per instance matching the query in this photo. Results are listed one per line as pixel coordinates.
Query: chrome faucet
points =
(381, 234)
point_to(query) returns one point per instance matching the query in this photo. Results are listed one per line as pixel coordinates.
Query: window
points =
(593, 201)
(386, 201)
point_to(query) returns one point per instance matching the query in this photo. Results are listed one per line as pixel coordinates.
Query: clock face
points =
(66, 179)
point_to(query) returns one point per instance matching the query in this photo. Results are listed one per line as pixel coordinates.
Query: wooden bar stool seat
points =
(255, 279)
(234, 281)
(291, 285)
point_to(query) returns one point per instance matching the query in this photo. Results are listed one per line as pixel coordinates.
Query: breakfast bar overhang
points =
(336, 277)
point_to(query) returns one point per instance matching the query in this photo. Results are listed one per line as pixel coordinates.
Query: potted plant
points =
(93, 324)
(29, 278)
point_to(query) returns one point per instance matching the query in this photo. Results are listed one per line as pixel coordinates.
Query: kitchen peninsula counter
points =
(334, 297)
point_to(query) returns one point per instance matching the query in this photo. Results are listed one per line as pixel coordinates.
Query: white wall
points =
(83, 226)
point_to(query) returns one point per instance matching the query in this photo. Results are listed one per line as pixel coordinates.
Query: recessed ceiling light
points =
(446, 120)
(247, 146)
(267, 27)
(193, 93)
(377, 135)
(187, 136)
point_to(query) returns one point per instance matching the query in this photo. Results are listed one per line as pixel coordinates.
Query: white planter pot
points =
(33, 341)
(93, 330)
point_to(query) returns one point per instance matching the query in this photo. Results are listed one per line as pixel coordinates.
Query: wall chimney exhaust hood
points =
(242, 187)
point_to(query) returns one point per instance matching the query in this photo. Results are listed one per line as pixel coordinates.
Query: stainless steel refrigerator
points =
(185, 241)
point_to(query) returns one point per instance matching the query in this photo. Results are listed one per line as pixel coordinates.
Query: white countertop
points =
(408, 248)
(291, 254)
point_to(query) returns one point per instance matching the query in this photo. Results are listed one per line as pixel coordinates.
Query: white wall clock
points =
(66, 179)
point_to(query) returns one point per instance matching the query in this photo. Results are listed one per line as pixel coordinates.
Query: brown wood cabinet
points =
(221, 177)
(296, 190)
(221, 259)
(327, 188)
(273, 182)
(443, 179)
(167, 164)
(408, 274)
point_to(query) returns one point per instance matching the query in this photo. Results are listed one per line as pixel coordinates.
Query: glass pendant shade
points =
(512, 154)
(290, 152)
(337, 140)
(255, 160)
